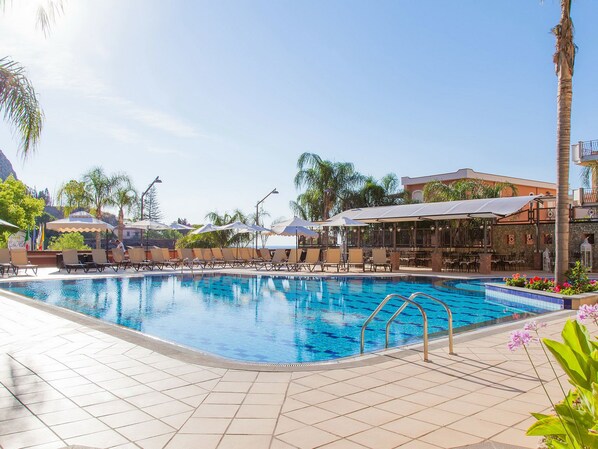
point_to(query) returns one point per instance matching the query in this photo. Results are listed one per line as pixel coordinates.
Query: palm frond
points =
(19, 102)
(47, 13)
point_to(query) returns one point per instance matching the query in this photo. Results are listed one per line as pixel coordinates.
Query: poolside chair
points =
(70, 260)
(166, 254)
(265, 259)
(20, 261)
(159, 261)
(279, 260)
(245, 256)
(229, 258)
(138, 261)
(294, 259)
(186, 257)
(5, 265)
(120, 259)
(332, 259)
(379, 259)
(255, 256)
(356, 258)
(201, 257)
(312, 259)
(100, 261)
(217, 257)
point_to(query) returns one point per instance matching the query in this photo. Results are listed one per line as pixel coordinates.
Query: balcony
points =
(585, 197)
(585, 153)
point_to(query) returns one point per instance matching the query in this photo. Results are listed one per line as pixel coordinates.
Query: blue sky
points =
(220, 98)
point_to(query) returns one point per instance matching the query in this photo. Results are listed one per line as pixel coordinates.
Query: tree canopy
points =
(465, 189)
(17, 206)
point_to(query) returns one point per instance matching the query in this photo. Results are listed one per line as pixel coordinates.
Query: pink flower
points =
(533, 326)
(587, 312)
(520, 339)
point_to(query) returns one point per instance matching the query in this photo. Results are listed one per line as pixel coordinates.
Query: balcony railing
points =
(585, 151)
(585, 196)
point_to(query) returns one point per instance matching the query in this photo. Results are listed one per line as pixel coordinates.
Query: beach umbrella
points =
(180, 227)
(343, 223)
(7, 224)
(295, 226)
(206, 228)
(79, 222)
(148, 225)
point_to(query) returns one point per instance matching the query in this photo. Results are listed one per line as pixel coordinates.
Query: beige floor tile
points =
(224, 398)
(311, 415)
(502, 417)
(239, 376)
(176, 421)
(109, 408)
(107, 437)
(264, 398)
(245, 442)
(410, 427)
(232, 387)
(21, 424)
(400, 407)
(436, 416)
(377, 438)
(252, 426)
(373, 416)
(145, 430)
(477, 427)
(206, 425)
(148, 399)
(269, 387)
(216, 411)
(444, 437)
(194, 441)
(308, 437)
(290, 404)
(273, 377)
(125, 418)
(342, 406)
(286, 424)
(278, 444)
(343, 426)
(340, 389)
(28, 438)
(417, 444)
(314, 381)
(313, 397)
(184, 391)
(258, 411)
(460, 407)
(168, 409)
(343, 444)
(64, 416)
(78, 428)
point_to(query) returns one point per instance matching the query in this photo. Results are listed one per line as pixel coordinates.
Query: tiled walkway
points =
(66, 383)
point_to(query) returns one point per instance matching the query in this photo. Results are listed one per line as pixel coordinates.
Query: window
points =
(417, 195)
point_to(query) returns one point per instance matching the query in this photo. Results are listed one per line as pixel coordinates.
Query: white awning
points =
(449, 210)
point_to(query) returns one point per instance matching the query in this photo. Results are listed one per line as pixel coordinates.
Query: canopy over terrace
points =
(449, 210)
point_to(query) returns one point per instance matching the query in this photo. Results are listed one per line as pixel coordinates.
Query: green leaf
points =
(577, 337)
(549, 425)
(568, 361)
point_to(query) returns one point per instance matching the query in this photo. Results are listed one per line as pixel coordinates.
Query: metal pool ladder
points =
(406, 302)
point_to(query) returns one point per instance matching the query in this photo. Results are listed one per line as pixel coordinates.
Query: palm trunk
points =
(564, 59)
(121, 224)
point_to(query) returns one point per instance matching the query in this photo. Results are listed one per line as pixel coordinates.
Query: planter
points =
(538, 298)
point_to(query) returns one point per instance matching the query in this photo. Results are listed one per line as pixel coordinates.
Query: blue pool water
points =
(270, 318)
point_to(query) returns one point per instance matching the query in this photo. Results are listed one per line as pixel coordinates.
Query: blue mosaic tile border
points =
(513, 298)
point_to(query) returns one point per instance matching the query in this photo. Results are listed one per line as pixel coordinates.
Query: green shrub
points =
(70, 240)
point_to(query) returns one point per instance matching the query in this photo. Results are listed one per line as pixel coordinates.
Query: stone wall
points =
(6, 168)
(521, 239)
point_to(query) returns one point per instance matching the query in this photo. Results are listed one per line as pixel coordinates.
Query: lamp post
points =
(257, 211)
(155, 181)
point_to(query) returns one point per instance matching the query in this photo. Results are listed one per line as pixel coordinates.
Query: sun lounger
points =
(166, 254)
(100, 261)
(265, 259)
(356, 258)
(245, 256)
(120, 259)
(20, 261)
(137, 259)
(70, 260)
(159, 261)
(332, 259)
(278, 261)
(255, 256)
(294, 259)
(217, 257)
(229, 258)
(187, 258)
(379, 259)
(312, 259)
(202, 257)
(5, 265)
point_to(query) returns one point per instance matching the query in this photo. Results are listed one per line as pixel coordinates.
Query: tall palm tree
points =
(326, 183)
(465, 189)
(99, 187)
(18, 99)
(125, 199)
(564, 60)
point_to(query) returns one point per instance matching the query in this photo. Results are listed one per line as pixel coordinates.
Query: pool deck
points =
(66, 381)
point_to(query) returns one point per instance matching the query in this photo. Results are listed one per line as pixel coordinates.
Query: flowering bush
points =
(574, 424)
(577, 282)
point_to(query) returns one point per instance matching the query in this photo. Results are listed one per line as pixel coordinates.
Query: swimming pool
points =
(272, 319)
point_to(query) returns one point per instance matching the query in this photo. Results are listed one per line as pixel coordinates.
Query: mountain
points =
(5, 167)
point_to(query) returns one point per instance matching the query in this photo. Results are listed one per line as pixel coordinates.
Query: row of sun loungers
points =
(15, 260)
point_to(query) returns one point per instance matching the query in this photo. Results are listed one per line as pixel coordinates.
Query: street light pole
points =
(257, 211)
(155, 181)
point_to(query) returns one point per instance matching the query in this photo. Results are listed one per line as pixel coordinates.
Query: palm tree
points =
(18, 99)
(99, 187)
(228, 238)
(564, 59)
(72, 196)
(125, 199)
(465, 189)
(326, 184)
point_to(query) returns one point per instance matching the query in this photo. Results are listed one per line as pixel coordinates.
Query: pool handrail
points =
(406, 301)
(449, 315)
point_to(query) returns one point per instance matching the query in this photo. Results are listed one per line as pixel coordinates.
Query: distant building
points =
(524, 186)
